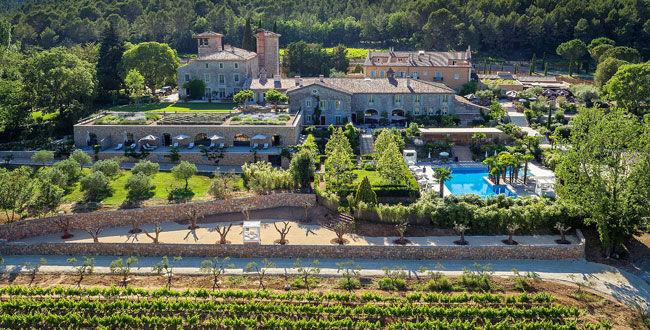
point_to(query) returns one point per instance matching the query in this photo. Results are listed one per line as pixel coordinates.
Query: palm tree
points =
(526, 158)
(491, 164)
(442, 174)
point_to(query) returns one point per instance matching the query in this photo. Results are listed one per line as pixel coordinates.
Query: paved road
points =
(620, 284)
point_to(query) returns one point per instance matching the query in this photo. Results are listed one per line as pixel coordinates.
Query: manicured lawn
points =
(164, 181)
(382, 187)
(375, 178)
(175, 107)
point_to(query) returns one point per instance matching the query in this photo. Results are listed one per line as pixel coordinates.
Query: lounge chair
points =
(266, 145)
(119, 147)
(212, 145)
(133, 146)
(191, 145)
(255, 145)
(221, 145)
(175, 145)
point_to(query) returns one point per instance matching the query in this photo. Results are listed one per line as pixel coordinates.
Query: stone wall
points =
(149, 215)
(501, 252)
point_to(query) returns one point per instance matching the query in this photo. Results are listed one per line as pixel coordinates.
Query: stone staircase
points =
(366, 144)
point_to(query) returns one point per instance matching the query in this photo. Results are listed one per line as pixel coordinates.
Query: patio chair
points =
(221, 145)
(191, 145)
(133, 146)
(266, 145)
(255, 145)
(119, 147)
(175, 145)
(212, 145)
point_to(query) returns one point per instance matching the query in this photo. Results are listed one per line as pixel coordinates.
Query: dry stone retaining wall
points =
(150, 215)
(572, 251)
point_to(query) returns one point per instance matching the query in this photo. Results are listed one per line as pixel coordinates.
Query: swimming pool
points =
(471, 181)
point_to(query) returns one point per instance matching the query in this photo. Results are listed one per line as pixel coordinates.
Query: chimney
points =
(321, 78)
(408, 81)
(296, 80)
(276, 78)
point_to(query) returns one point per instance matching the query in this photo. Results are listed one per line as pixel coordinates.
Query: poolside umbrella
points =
(148, 138)
(181, 137)
(444, 154)
(259, 137)
(216, 137)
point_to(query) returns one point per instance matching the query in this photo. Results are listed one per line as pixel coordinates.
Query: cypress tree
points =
(531, 71)
(248, 42)
(111, 49)
(365, 193)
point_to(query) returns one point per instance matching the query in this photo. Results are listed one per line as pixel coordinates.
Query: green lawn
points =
(383, 187)
(175, 107)
(375, 178)
(163, 181)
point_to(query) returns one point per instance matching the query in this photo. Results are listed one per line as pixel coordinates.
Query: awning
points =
(181, 137)
(259, 137)
(148, 138)
(216, 137)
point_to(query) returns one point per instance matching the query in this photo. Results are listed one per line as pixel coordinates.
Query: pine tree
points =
(365, 193)
(248, 41)
(108, 64)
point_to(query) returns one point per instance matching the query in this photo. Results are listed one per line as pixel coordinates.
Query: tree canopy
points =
(156, 62)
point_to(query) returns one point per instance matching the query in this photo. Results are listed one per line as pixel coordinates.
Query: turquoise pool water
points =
(471, 181)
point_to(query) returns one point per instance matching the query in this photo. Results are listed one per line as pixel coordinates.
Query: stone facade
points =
(225, 69)
(453, 69)
(451, 252)
(391, 100)
(150, 215)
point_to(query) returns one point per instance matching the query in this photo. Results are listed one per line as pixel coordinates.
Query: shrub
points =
(139, 188)
(145, 167)
(80, 157)
(392, 284)
(440, 284)
(96, 187)
(109, 167)
(349, 283)
(71, 169)
(180, 195)
(43, 156)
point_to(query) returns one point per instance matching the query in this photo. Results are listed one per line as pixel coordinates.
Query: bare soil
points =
(595, 306)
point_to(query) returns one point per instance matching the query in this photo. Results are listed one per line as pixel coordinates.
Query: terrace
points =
(190, 119)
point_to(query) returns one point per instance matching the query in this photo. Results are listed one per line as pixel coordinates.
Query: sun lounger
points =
(119, 147)
(266, 145)
(175, 145)
(221, 145)
(133, 146)
(255, 146)
(191, 145)
(212, 145)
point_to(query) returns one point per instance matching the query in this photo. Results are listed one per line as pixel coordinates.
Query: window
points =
(314, 91)
(456, 76)
(236, 65)
(338, 104)
(236, 77)
(220, 65)
(398, 99)
(445, 98)
(222, 79)
(416, 111)
(206, 78)
(438, 75)
(431, 111)
(371, 99)
(222, 93)
(381, 74)
(417, 98)
(187, 77)
(372, 74)
(338, 120)
(321, 104)
(206, 65)
(308, 103)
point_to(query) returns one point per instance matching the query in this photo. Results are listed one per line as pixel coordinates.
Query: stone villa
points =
(450, 68)
(325, 101)
(225, 69)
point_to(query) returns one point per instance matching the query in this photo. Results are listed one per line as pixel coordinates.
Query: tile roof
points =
(358, 86)
(419, 58)
(208, 34)
(228, 53)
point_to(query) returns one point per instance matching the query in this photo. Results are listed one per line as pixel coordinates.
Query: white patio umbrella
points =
(181, 137)
(259, 137)
(444, 154)
(216, 137)
(148, 138)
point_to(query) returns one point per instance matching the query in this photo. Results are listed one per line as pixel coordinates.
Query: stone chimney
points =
(297, 80)
(209, 43)
(408, 81)
(321, 78)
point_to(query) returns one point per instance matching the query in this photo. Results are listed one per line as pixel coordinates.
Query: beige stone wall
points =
(448, 74)
(149, 215)
(117, 133)
(501, 252)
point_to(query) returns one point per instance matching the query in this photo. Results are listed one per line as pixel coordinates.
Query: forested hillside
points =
(510, 28)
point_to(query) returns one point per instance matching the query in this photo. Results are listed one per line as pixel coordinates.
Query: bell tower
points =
(268, 51)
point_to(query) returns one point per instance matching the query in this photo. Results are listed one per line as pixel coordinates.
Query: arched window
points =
(241, 140)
